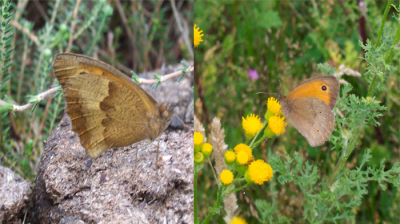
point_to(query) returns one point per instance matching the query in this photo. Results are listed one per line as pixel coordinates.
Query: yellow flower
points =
(242, 157)
(229, 157)
(260, 172)
(274, 106)
(244, 147)
(197, 34)
(198, 138)
(226, 177)
(277, 124)
(251, 125)
(206, 150)
(238, 220)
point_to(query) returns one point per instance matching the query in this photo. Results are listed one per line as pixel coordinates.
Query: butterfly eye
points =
(323, 88)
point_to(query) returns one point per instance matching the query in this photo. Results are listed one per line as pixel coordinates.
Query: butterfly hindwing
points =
(105, 114)
(316, 123)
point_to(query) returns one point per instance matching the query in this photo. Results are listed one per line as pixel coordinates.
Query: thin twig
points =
(165, 77)
(128, 31)
(118, 65)
(21, 76)
(184, 32)
(40, 97)
(40, 9)
(26, 31)
(44, 117)
(45, 94)
(124, 20)
(21, 7)
(46, 37)
(72, 28)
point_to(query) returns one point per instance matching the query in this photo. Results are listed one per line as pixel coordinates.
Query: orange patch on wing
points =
(312, 89)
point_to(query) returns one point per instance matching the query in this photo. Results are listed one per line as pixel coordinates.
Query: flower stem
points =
(378, 41)
(395, 41)
(255, 137)
(239, 188)
(345, 155)
(196, 218)
(215, 207)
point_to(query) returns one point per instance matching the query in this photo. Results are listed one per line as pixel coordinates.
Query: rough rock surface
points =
(15, 193)
(118, 186)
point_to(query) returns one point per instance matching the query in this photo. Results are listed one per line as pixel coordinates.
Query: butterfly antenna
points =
(158, 147)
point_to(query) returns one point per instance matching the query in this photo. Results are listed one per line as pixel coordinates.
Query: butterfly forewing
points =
(325, 87)
(67, 66)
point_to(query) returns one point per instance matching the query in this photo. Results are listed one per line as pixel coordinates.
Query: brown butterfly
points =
(309, 107)
(107, 108)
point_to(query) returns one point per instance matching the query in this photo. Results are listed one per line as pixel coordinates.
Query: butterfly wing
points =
(107, 109)
(104, 113)
(67, 66)
(325, 88)
(315, 123)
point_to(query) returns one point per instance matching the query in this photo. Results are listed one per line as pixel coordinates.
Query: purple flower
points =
(253, 74)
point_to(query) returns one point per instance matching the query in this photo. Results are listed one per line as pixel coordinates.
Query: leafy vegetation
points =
(138, 36)
(353, 178)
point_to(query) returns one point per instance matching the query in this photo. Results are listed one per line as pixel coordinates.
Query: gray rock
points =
(15, 193)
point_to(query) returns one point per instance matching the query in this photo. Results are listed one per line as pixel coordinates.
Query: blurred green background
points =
(284, 41)
(131, 35)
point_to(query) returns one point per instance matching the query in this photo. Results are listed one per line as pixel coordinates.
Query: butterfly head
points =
(166, 113)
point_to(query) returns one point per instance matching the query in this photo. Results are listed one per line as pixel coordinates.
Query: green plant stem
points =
(196, 219)
(259, 141)
(395, 41)
(345, 155)
(238, 180)
(54, 118)
(239, 188)
(255, 137)
(374, 83)
(216, 205)
(378, 41)
(96, 38)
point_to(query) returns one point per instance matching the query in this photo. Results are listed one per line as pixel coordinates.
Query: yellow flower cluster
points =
(201, 150)
(245, 148)
(276, 123)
